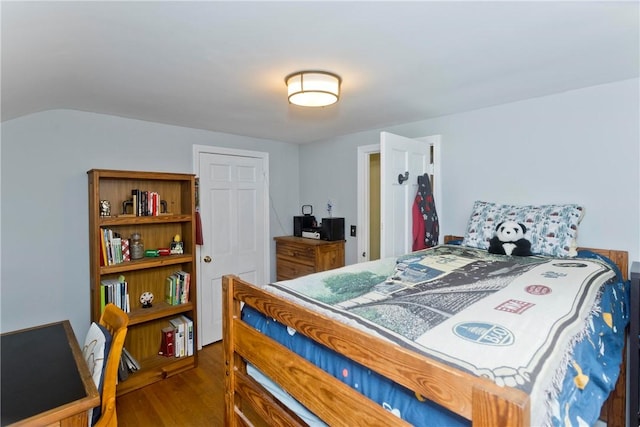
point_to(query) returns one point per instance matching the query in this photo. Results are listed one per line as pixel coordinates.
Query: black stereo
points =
(303, 223)
(332, 229)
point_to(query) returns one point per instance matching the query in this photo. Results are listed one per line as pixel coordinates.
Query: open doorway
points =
(374, 206)
(369, 193)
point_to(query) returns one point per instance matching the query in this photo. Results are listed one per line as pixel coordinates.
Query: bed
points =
(455, 391)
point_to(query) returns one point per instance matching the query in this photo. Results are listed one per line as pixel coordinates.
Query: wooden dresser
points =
(299, 256)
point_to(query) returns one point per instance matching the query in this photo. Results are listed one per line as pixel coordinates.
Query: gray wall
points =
(581, 146)
(45, 157)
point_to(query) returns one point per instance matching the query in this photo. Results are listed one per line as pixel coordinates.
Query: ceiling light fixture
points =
(313, 88)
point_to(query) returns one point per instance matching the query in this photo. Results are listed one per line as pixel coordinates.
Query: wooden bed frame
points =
(247, 402)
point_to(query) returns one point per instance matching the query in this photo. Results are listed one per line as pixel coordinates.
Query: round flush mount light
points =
(313, 88)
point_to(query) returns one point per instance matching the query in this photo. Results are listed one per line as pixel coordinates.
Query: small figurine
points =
(105, 208)
(177, 247)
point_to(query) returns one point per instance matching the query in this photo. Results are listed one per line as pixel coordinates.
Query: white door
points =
(234, 212)
(405, 157)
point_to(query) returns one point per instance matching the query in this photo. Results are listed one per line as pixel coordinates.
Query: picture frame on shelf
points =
(177, 248)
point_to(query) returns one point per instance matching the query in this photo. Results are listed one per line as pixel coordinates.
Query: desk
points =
(45, 379)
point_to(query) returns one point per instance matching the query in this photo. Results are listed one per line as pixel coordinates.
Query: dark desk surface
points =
(39, 372)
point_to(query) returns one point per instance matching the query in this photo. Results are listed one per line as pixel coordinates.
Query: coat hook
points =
(403, 178)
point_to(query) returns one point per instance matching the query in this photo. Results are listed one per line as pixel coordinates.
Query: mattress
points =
(450, 302)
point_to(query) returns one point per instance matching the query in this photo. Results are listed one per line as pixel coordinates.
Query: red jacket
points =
(426, 228)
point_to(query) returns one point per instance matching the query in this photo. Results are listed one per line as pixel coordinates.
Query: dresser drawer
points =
(298, 256)
(286, 270)
(330, 257)
(296, 253)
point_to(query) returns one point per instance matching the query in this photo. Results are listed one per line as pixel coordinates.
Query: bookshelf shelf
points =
(156, 368)
(143, 263)
(149, 274)
(130, 219)
(157, 311)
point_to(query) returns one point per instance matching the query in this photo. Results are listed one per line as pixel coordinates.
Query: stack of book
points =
(145, 203)
(115, 291)
(181, 331)
(128, 364)
(177, 288)
(114, 249)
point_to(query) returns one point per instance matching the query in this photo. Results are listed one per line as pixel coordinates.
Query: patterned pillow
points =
(95, 351)
(551, 229)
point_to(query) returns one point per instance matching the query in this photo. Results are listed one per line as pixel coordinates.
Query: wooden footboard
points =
(477, 399)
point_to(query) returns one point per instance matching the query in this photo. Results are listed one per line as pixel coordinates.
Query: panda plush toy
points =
(509, 240)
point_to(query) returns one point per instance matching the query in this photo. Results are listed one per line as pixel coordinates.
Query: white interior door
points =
(399, 156)
(233, 197)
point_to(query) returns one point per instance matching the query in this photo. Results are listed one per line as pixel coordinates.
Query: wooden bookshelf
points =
(149, 273)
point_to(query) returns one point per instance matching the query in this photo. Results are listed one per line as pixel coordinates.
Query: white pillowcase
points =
(551, 229)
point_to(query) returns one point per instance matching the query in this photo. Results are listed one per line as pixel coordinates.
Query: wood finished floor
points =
(191, 399)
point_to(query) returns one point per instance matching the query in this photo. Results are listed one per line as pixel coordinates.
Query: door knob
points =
(207, 259)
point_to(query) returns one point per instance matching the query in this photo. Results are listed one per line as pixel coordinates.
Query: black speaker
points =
(303, 222)
(332, 229)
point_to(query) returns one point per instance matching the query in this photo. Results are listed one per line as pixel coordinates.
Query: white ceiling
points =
(221, 65)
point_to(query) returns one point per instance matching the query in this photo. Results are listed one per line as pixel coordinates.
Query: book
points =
(167, 344)
(123, 370)
(181, 290)
(116, 244)
(116, 292)
(103, 249)
(177, 297)
(144, 203)
(103, 296)
(135, 197)
(154, 203)
(126, 252)
(184, 286)
(132, 364)
(107, 239)
(111, 246)
(124, 296)
(179, 338)
(170, 289)
(188, 334)
(106, 288)
(177, 286)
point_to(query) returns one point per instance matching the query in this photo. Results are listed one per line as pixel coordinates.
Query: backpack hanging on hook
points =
(426, 228)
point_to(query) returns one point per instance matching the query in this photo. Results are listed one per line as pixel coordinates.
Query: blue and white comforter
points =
(553, 328)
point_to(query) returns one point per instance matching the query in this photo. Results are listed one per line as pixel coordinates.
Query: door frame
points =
(364, 211)
(264, 156)
(364, 152)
